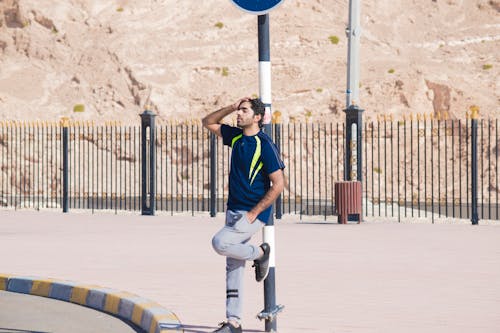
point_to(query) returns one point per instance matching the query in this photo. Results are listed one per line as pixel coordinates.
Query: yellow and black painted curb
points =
(146, 314)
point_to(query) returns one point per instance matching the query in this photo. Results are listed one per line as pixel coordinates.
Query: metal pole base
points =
(272, 314)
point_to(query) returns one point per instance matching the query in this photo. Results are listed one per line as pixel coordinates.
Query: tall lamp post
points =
(353, 166)
(353, 32)
(353, 157)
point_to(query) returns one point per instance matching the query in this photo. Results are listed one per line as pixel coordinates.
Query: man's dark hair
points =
(258, 108)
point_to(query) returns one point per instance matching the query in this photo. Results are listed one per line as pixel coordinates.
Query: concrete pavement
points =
(34, 314)
(372, 277)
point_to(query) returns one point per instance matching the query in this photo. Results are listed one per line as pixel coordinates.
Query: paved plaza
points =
(377, 276)
(21, 313)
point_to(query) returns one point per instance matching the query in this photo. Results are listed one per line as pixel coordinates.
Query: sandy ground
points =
(373, 277)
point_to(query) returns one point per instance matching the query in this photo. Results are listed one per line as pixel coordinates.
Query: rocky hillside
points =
(104, 60)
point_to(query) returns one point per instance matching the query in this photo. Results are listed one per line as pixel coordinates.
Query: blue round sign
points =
(258, 7)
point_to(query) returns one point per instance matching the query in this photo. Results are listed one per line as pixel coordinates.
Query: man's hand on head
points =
(236, 105)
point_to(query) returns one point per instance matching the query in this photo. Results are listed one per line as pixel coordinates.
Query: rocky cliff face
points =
(186, 58)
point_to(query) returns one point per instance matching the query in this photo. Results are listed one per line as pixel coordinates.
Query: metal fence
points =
(410, 168)
(424, 168)
(314, 158)
(30, 160)
(103, 166)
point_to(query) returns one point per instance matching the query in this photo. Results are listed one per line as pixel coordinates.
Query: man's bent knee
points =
(219, 245)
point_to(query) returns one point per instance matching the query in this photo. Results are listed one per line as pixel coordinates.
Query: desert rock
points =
(184, 59)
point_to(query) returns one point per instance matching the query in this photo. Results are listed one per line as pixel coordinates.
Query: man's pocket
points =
(232, 217)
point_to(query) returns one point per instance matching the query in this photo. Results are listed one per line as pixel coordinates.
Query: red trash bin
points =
(348, 200)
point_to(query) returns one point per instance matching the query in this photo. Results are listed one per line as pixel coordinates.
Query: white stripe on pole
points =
(265, 88)
(265, 81)
(268, 237)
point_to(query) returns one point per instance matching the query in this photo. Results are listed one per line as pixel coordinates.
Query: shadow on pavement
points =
(13, 330)
(207, 329)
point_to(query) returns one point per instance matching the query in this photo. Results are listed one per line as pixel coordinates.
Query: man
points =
(255, 181)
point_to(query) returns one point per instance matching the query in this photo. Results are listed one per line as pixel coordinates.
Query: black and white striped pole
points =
(262, 8)
(270, 308)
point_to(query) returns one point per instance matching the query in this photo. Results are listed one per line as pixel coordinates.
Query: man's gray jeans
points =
(232, 242)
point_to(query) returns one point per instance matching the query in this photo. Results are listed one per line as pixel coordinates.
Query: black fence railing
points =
(183, 168)
(30, 158)
(314, 158)
(410, 168)
(104, 167)
(424, 168)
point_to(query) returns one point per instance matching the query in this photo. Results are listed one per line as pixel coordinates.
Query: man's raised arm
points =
(212, 120)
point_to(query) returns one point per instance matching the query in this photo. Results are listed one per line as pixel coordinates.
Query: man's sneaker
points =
(262, 264)
(228, 328)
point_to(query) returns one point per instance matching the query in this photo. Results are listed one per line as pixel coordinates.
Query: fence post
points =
(148, 170)
(213, 175)
(474, 216)
(353, 144)
(353, 166)
(65, 138)
(277, 141)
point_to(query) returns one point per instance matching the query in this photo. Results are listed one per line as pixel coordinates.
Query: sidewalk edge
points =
(146, 314)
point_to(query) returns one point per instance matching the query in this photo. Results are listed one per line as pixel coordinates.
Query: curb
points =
(146, 314)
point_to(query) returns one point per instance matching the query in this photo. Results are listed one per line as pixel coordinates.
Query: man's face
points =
(245, 116)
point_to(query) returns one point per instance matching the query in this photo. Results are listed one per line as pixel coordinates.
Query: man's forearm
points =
(216, 116)
(266, 201)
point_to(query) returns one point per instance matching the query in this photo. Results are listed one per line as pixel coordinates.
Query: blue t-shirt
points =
(253, 158)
